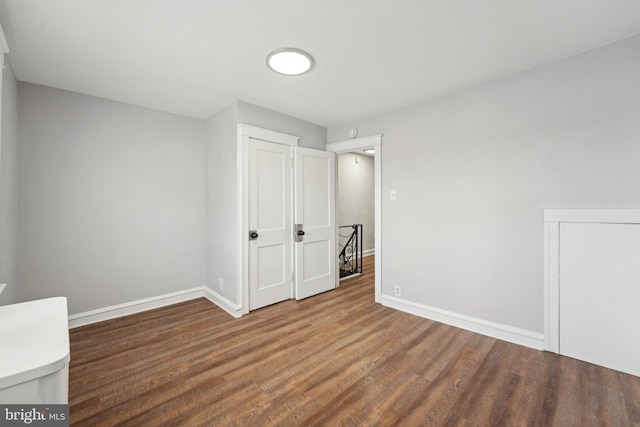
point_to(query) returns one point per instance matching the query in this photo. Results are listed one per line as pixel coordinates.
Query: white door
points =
(270, 223)
(315, 249)
(599, 294)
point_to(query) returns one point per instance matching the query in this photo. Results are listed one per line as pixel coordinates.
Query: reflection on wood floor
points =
(334, 359)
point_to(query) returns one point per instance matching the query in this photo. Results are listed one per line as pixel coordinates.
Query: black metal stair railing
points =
(350, 258)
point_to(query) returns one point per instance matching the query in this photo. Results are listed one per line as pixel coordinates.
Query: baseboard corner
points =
(234, 310)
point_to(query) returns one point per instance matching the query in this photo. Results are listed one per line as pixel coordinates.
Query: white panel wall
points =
(111, 200)
(474, 170)
(599, 266)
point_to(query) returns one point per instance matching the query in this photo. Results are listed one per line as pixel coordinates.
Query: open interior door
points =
(315, 229)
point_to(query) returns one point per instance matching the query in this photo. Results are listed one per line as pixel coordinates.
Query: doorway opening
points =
(355, 210)
(358, 146)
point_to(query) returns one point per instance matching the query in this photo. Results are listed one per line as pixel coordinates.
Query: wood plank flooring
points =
(333, 359)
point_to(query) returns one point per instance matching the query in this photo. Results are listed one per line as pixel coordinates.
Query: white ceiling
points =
(194, 57)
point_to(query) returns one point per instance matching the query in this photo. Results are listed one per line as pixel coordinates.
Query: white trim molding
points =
(499, 331)
(267, 135)
(138, 306)
(374, 141)
(552, 286)
(609, 216)
(355, 144)
(552, 220)
(132, 307)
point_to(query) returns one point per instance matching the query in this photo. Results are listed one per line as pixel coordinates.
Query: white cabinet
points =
(34, 352)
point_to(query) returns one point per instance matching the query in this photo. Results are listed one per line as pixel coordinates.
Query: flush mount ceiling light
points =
(289, 61)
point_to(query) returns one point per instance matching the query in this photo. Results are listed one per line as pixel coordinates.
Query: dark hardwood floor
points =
(333, 359)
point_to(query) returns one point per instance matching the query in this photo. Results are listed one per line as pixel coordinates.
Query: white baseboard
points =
(125, 309)
(495, 330)
(368, 252)
(233, 309)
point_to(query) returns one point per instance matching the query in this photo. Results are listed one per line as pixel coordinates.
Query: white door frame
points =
(348, 146)
(243, 134)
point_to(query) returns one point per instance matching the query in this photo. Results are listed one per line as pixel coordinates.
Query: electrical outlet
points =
(220, 284)
(396, 291)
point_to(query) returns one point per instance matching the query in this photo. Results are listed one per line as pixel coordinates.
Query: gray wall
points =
(8, 184)
(119, 203)
(356, 195)
(473, 172)
(222, 245)
(311, 135)
(111, 199)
